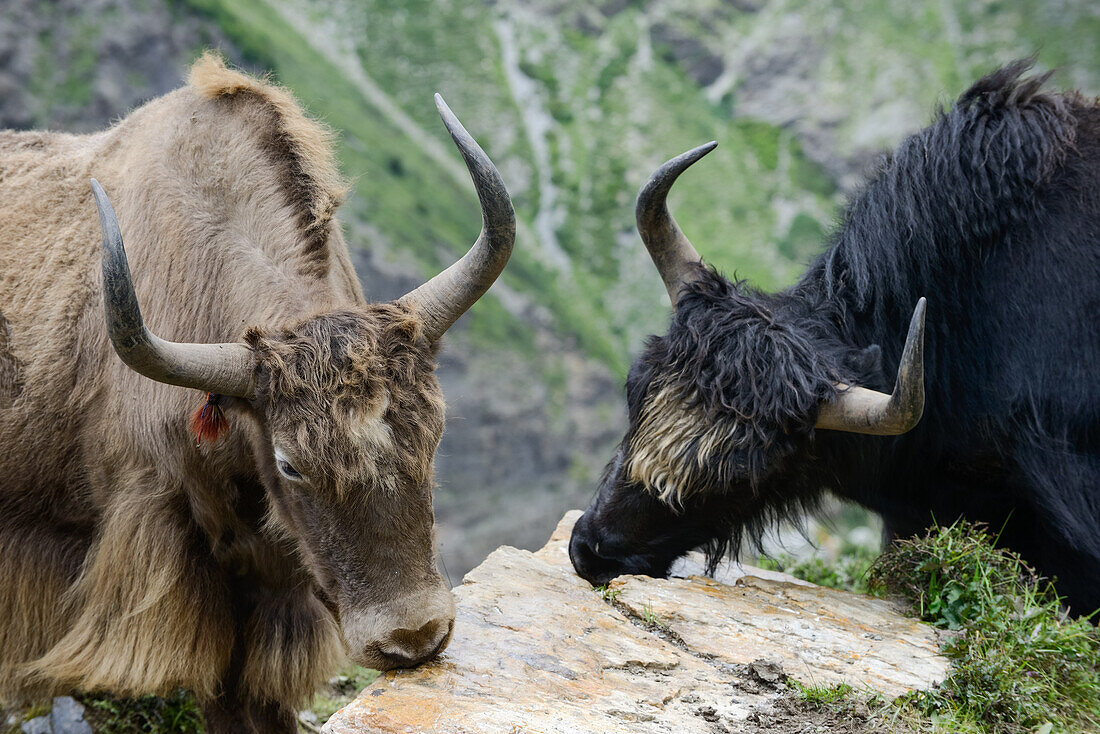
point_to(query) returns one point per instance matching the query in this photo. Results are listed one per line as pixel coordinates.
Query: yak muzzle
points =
(584, 547)
(403, 633)
(599, 556)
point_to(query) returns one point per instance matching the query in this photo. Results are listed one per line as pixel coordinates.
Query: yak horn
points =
(448, 295)
(225, 369)
(670, 249)
(859, 410)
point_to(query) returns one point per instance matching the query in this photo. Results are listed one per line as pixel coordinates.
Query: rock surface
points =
(536, 649)
(65, 717)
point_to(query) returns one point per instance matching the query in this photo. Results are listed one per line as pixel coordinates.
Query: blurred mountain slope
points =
(576, 102)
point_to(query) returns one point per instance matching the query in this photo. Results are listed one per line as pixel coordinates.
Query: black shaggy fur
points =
(993, 214)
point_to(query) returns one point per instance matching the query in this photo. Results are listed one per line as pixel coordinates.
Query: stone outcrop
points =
(66, 717)
(536, 649)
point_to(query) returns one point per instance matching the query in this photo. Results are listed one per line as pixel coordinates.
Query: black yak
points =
(740, 415)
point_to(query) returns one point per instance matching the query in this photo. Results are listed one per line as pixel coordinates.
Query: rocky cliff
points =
(536, 649)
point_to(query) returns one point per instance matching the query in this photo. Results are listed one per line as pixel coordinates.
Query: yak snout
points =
(600, 554)
(584, 552)
(403, 633)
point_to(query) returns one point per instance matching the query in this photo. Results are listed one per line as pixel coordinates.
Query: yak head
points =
(723, 409)
(348, 414)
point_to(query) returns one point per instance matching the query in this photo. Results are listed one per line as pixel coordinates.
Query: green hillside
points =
(589, 273)
(577, 104)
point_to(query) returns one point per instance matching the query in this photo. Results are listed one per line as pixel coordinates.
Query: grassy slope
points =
(618, 104)
(609, 297)
(1019, 663)
(397, 187)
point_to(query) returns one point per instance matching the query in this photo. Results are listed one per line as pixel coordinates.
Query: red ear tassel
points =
(208, 422)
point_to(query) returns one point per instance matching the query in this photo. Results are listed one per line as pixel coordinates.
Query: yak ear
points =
(865, 365)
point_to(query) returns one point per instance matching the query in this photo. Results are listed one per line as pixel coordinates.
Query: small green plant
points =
(822, 695)
(607, 593)
(18, 717)
(1019, 663)
(651, 619)
(177, 713)
(341, 689)
(952, 574)
(849, 572)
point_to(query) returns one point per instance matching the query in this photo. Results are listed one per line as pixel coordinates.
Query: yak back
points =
(993, 214)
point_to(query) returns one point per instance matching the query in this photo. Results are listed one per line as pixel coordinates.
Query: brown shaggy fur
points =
(131, 559)
(11, 372)
(300, 149)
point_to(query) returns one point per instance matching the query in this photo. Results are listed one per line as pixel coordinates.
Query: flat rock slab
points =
(537, 650)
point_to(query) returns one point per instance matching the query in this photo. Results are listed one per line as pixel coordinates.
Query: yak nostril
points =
(584, 551)
(415, 638)
(583, 556)
(407, 647)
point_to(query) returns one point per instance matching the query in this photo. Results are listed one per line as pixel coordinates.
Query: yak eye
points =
(288, 471)
(285, 468)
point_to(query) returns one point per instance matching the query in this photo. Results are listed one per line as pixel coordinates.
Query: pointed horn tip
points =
(916, 324)
(662, 179)
(99, 194)
(108, 220)
(689, 157)
(454, 126)
(450, 119)
(900, 411)
(696, 153)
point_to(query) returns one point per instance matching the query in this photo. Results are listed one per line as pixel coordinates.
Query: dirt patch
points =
(791, 715)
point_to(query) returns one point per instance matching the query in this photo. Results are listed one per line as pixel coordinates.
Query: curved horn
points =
(671, 251)
(860, 410)
(445, 297)
(225, 369)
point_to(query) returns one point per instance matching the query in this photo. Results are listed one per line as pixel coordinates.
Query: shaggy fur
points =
(993, 213)
(135, 561)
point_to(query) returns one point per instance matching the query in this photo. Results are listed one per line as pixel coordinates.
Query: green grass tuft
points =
(848, 572)
(177, 713)
(608, 594)
(19, 717)
(822, 695)
(650, 618)
(1019, 663)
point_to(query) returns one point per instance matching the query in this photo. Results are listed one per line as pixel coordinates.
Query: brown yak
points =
(133, 559)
